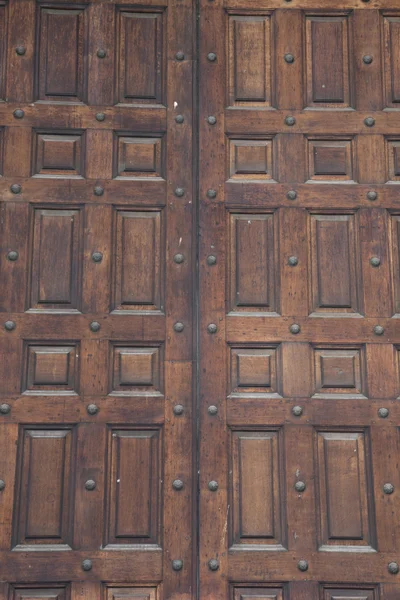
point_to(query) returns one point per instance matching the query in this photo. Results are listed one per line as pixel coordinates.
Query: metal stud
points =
(213, 564)
(177, 564)
(20, 50)
(365, 1)
(211, 120)
(16, 188)
(299, 486)
(211, 260)
(289, 58)
(179, 259)
(295, 328)
(297, 411)
(95, 326)
(101, 53)
(290, 121)
(97, 257)
(179, 119)
(5, 409)
(177, 484)
(302, 565)
(87, 564)
(372, 196)
(2, 485)
(293, 261)
(92, 409)
(388, 488)
(383, 413)
(393, 568)
(12, 255)
(98, 190)
(367, 59)
(212, 410)
(212, 328)
(369, 121)
(213, 486)
(178, 410)
(211, 194)
(379, 330)
(9, 325)
(100, 116)
(375, 261)
(179, 56)
(211, 56)
(291, 195)
(90, 485)
(179, 327)
(179, 192)
(18, 113)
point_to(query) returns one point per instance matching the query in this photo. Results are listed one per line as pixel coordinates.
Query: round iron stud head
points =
(179, 192)
(293, 261)
(179, 327)
(290, 121)
(388, 488)
(178, 410)
(213, 564)
(90, 485)
(5, 409)
(2, 485)
(9, 325)
(211, 260)
(211, 120)
(302, 565)
(379, 330)
(295, 329)
(101, 53)
(18, 113)
(87, 565)
(369, 121)
(95, 326)
(98, 190)
(289, 58)
(212, 328)
(12, 255)
(393, 568)
(179, 119)
(16, 188)
(211, 56)
(291, 195)
(383, 413)
(374, 261)
(367, 59)
(97, 257)
(20, 50)
(213, 486)
(297, 411)
(372, 196)
(177, 564)
(299, 486)
(100, 116)
(177, 484)
(211, 194)
(180, 56)
(212, 410)
(179, 259)
(92, 409)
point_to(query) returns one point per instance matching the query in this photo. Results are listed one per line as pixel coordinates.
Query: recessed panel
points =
(339, 372)
(45, 485)
(3, 48)
(330, 160)
(56, 253)
(395, 226)
(263, 592)
(138, 156)
(251, 159)
(334, 261)
(137, 280)
(252, 262)
(391, 49)
(136, 370)
(51, 368)
(141, 57)
(249, 60)
(39, 591)
(130, 593)
(256, 490)
(346, 517)
(328, 63)
(62, 37)
(60, 154)
(393, 159)
(134, 480)
(349, 593)
(255, 370)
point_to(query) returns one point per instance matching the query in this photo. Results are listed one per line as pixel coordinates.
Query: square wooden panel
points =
(391, 49)
(136, 370)
(60, 153)
(255, 370)
(138, 156)
(263, 592)
(339, 372)
(393, 159)
(39, 591)
(331, 160)
(51, 368)
(347, 592)
(128, 592)
(251, 159)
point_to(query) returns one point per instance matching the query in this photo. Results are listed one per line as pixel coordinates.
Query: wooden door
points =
(299, 299)
(96, 300)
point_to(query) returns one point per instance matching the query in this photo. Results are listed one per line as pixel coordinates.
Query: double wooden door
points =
(200, 300)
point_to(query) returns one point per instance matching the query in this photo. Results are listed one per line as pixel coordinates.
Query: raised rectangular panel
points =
(136, 370)
(141, 57)
(129, 592)
(61, 41)
(263, 592)
(252, 262)
(345, 592)
(138, 278)
(346, 519)
(339, 372)
(51, 368)
(328, 69)
(138, 156)
(334, 263)
(331, 160)
(258, 515)
(134, 485)
(251, 159)
(45, 485)
(393, 160)
(39, 591)
(395, 230)
(58, 154)
(56, 252)
(3, 47)
(255, 370)
(249, 60)
(391, 49)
